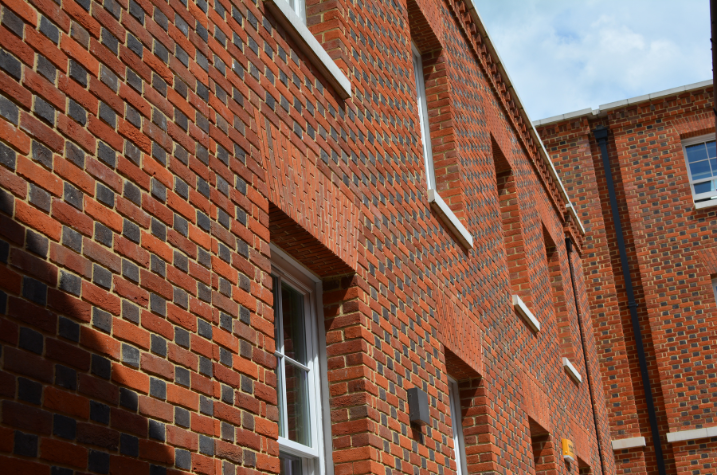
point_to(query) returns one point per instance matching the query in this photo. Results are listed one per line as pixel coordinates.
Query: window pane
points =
(292, 309)
(711, 149)
(704, 187)
(700, 170)
(280, 395)
(696, 153)
(289, 465)
(297, 404)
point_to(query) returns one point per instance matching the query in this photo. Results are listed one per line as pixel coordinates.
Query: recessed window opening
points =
(299, 383)
(701, 157)
(456, 417)
(423, 117)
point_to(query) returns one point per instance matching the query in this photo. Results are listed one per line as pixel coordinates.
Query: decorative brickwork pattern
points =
(152, 152)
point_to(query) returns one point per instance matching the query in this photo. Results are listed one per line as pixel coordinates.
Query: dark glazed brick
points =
(78, 113)
(25, 444)
(40, 198)
(10, 65)
(34, 290)
(129, 445)
(37, 243)
(130, 355)
(49, 30)
(73, 196)
(29, 391)
(69, 329)
(44, 110)
(102, 320)
(64, 427)
(98, 462)
(72, 239)
(99, 412)
(10, 111)
(103, 234)
(156, 430)
(128, 399)
(101, 367)
(65, 377)
(70, 283)
(101, 277)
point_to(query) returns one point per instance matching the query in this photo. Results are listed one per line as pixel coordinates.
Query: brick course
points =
(150, 154)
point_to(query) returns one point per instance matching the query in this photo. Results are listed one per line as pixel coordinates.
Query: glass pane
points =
(297, 404)
(292, 309)
(289, 465)
(700, 170)
(456, 426)
(280, 395)
(711, 149)
(704, 187)
(696, 153)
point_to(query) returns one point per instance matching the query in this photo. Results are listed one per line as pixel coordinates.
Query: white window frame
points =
(440, 206)
(299, 7)
(702, 196)
(423, 117)
(459, 445)
(317, 459)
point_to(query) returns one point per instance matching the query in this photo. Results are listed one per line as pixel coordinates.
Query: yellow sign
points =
(569, 450)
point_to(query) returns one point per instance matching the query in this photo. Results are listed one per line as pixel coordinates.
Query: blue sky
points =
(563, 56)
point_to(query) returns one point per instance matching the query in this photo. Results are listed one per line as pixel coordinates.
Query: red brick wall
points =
(150, 154)
(666, 240)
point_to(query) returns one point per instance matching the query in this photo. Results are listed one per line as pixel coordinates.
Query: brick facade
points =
(669, 248)
(151, 154)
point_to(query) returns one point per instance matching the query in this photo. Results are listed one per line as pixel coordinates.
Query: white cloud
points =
(564, 56)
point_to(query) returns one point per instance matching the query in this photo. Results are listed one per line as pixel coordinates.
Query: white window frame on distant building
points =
(315, 457)
(705, 198)
(459, 447)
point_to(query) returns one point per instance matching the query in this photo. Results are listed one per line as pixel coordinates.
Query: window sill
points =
(631, 443)
(706, 204)
(449, 218)
(572, 371)
(693, 434)
(527, 315)
(310, 47)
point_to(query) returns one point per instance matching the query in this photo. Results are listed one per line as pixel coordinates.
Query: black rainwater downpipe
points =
(569, 246)
(601, 135)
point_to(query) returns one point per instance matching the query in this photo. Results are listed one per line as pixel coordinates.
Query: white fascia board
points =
(525, 312)
(310, 47)
(449, 218)
(604, 108)
(574, 212)
(629, 443)
(693, 434)
(571, 370)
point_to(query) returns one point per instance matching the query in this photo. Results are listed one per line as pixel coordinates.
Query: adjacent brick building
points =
(245, 237)
(660, 154)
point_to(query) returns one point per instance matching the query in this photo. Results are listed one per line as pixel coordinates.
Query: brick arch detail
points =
(695, 125)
